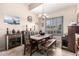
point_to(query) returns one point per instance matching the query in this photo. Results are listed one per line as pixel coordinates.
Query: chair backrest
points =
(77, 39)
(26, 38)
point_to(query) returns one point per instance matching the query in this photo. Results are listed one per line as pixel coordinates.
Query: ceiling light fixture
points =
(43, 14)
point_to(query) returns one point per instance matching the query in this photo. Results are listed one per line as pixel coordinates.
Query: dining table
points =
(38, 38)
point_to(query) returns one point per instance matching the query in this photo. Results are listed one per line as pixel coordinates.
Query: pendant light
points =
(43, 16)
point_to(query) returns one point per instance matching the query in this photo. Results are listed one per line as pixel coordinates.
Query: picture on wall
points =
(12, 20)
(29, 18)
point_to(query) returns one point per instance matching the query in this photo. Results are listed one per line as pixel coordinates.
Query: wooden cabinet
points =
(13, 40)
(71, 37)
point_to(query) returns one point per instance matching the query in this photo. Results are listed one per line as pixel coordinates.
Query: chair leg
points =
(55, 44)
(31, 51)
(30, 54)
(47, 52)
(24, 51)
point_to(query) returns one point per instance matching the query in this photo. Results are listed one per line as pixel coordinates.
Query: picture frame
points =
(29, 18)
(13, 20)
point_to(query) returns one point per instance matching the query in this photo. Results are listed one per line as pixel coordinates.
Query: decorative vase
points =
(13, 31)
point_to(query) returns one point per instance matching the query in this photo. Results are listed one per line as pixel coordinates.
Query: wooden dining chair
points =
(29, 45)
(76, 43)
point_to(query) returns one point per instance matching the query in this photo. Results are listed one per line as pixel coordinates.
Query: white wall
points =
(69, 15)
(77, 8)
(14, 9)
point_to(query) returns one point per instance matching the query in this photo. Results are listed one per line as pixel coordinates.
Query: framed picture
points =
(29, 18)
(12, 20)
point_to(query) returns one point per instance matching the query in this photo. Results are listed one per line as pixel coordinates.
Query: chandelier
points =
(43, 15)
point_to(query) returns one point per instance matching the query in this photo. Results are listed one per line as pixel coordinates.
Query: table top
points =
(39, 37)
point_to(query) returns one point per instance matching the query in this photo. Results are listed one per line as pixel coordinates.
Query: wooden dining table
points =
(39, 38)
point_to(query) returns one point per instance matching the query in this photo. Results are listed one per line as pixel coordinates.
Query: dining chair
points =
(29, 45)
(76, 43)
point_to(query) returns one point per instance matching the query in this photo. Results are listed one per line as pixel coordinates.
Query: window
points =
(54, 25)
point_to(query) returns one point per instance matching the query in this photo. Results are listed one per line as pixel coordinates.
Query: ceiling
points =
(51, 7)
(32, 5)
